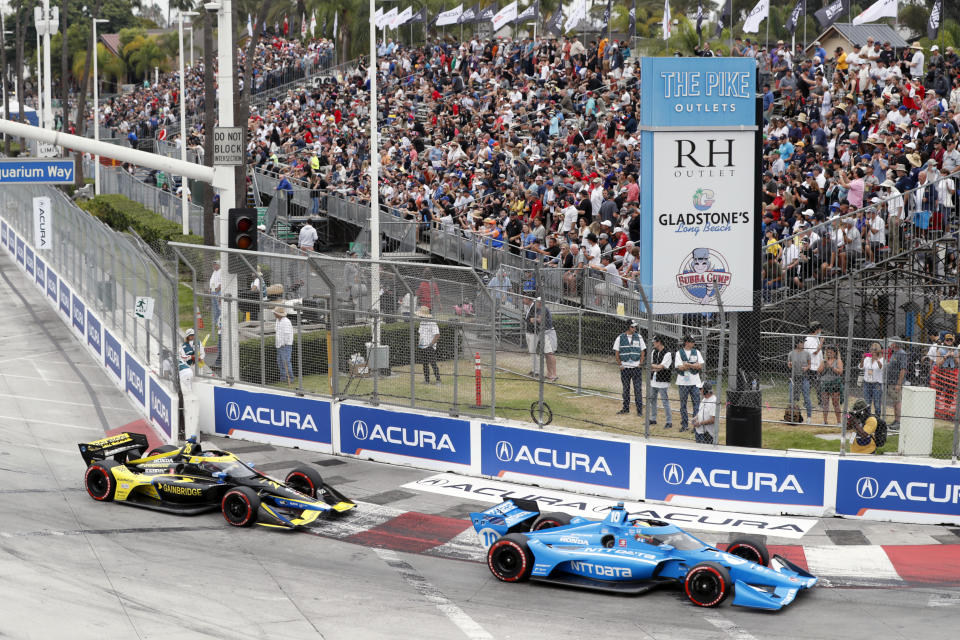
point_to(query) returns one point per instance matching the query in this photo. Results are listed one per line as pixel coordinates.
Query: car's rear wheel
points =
(549, 521)
(99, 480)
(751, 550)
(510, 559)
(240, 506)
(707, 584)
(305, 480)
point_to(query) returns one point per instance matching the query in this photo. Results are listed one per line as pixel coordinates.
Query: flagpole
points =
(805, 27)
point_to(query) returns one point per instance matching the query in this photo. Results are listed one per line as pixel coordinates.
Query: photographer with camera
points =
(871, 432)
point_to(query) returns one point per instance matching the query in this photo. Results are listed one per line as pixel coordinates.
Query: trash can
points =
(916, 421)
(744, 420)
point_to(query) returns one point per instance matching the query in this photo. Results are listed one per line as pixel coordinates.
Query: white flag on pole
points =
(756, 16)
(378, 18)
(505, 15)
(667, 22)
(403, 17)
(577, 14)
(249, 26)
(879, 9)
(389, 17)
(450, 17)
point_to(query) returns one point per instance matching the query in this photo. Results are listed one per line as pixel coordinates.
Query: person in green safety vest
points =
(630, 351)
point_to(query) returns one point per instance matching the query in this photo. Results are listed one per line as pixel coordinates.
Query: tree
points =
(143, 55)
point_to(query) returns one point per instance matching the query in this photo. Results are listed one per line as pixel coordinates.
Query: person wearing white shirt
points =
(705, 427)
(689, 363)
(873, 378)
(813, 344)
(570, 215)
(660, 361)
(916, 62)
(284, 344)
(308, 236)
(876, 235)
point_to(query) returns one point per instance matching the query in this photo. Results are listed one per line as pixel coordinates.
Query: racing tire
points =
(549, 521)
(751, 550)
(305, 480)
(167, 448)
(240, 506)
(510, 559)
(707, 584)
(99, 480)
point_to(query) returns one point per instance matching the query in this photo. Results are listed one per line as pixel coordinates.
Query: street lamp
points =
(184, 205)
(190, 29)
(96, 106)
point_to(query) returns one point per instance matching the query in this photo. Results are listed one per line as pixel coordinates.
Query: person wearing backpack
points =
(689, 362)
(660, 362)
(871, 432)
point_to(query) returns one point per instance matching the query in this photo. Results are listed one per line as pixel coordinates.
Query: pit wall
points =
(157, 404)
(683, 474)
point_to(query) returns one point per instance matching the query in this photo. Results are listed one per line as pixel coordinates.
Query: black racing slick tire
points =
(167, 448)
(549, 521)
(240, 506)
(707, 584)
(510, 559)
(99, 480)
(751, 550)
(305, 480)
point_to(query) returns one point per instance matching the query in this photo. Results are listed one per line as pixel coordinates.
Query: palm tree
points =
(145, 54)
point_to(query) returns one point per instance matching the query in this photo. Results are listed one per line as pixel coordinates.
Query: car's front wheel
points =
(240, 506)
(751, 550)
(305, 480)
(707, 584)
(510, 559)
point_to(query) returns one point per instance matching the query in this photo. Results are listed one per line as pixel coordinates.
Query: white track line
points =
(58, 424)
(463, 546)
(470, 628)
(859, 563)
(75, 404)
(729, 628)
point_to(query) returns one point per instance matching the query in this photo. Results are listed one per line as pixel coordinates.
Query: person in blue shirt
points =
(768, 100)
(786, 149)
(820, 51)
(286, 188)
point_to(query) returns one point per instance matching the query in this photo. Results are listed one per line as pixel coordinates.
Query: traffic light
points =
(242, 233)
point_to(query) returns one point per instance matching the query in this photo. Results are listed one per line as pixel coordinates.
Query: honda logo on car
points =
(271, 414)
(406, 434)
(673, 474)
(554, 455)
(864, 486)
(729, 476)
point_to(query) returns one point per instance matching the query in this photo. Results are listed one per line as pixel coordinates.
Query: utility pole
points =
(184, 204)
(96, 108)
(374, 184)
(49, 26)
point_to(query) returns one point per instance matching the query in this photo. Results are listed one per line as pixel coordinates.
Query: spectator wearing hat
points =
(689, 363)
(541, 335)
(660, 363)
(189, 355)
(799, 364)
(875, 232)
(283, 340)
(428, 336)
(630, 350)
(813, 344)
(705, 427)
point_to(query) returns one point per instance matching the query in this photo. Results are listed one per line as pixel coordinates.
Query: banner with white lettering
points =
(879, 9)
(933, 23)
(505, 15)
(758, 14)
(831, 12)
(449, 17)
(42, 223)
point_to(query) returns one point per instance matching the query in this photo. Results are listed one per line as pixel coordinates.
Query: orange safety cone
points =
(199, 318)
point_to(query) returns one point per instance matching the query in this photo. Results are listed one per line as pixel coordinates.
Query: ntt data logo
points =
(233, 411)
(360, 430)
(868, 487)
(672, 473)
(504, 451)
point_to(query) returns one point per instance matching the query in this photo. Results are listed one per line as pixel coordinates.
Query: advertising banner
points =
(52, 286)
(41, 274)
(506, 450)
(703, 199)
(716, 475)
(111, 354)
(405, 434)
(271, 414)
(79, 314)
(160, 406)
(697, 92)
(867, 488)
(3, 232)
(42, 223)
(20, 250)
(136, 379)
(64, 298)
(28, 260)
(94, 333)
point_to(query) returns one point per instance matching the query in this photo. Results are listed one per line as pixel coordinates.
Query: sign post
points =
(143, 308)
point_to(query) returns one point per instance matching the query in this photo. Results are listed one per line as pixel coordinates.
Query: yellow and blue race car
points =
(188, 480)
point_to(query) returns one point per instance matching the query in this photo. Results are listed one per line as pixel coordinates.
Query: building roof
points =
(858, 33)
(111, 41)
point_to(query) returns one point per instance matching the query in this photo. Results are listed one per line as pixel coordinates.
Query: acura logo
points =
(868, 488)
(504, 451)
(672, 473)
(233, 411)
(360, 430)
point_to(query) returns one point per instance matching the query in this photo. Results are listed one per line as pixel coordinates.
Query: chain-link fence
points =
(109, 270)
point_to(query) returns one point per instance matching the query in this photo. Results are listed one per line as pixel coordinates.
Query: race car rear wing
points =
(514, 515)
(115, 446)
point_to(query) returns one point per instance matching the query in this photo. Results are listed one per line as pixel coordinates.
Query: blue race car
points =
(631, 556)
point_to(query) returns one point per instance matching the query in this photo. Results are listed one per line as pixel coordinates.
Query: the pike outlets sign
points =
(698, 177)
